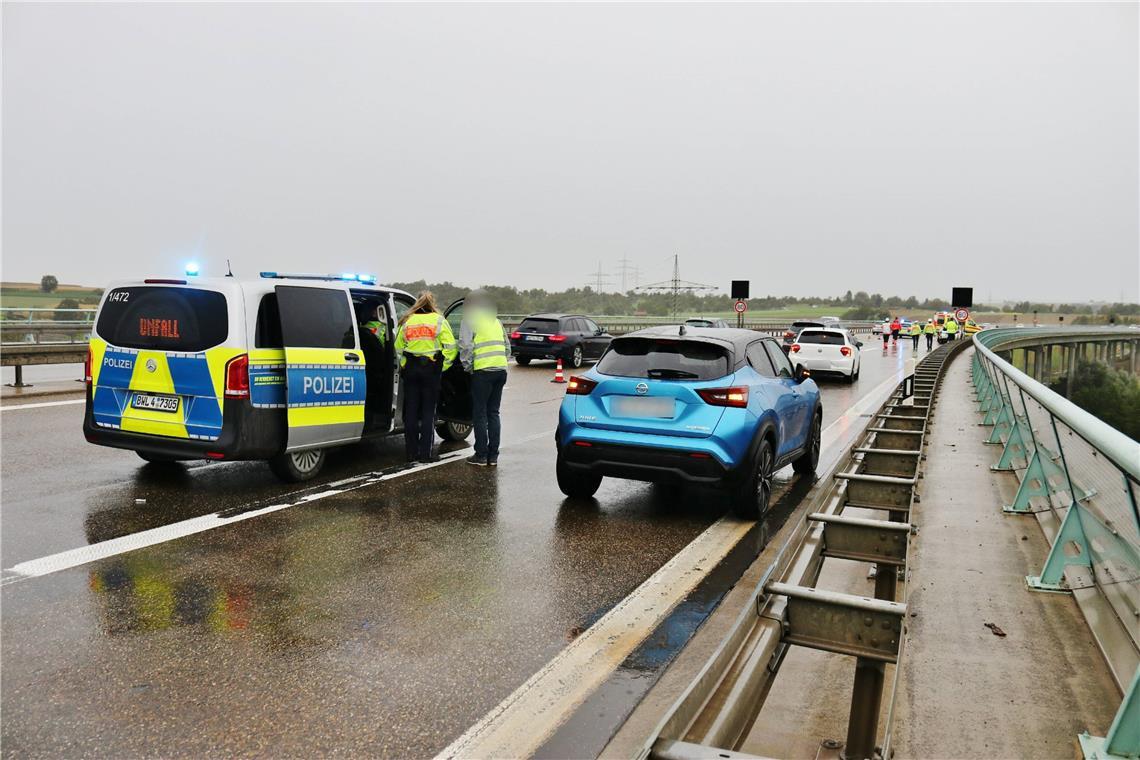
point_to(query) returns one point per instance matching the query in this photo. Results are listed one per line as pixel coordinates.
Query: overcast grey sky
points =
(811, 148)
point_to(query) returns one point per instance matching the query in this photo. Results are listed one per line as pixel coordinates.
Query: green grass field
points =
(19, 295)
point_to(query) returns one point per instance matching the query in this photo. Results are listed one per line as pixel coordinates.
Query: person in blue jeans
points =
(484, 349)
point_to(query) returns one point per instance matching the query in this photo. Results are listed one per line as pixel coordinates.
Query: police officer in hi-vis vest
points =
(427, 348)
(484, 348)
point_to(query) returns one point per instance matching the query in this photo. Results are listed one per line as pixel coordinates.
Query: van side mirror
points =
(802, 373)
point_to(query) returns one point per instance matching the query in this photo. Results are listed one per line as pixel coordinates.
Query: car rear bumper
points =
(538, 351)
(841, 366)
(644, 463)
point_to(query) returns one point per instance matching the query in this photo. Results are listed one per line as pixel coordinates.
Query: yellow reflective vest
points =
(930, 329)
(379, 329)
(490, 346)
(951, 326)
(427, 335)
(915, 328)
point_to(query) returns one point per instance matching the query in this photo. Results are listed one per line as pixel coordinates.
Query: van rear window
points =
(665, 359)
(164, 319)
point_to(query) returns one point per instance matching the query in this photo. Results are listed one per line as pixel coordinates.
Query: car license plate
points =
(153, 403)
(535, 338)
(634, 406)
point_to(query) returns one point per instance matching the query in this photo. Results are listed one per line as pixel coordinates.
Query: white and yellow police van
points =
(278, 368)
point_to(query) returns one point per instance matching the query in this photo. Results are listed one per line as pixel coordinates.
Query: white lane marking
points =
(41, 405)
(83, 555)
(518, 725)
(525, 719)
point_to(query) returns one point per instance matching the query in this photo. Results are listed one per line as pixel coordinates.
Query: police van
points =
(279, 368)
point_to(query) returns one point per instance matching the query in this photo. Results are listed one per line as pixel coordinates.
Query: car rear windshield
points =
(665, 359)
(825, 338)
(699, 322)
(807, 324)
(163, 318)
(539, 325)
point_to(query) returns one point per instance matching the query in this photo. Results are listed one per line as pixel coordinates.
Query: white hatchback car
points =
(827, 350)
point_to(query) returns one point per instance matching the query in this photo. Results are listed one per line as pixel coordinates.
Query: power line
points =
(626, 267)
(599, 279)
(676, 285)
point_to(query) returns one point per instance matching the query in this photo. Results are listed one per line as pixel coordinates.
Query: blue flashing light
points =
(348, 276)
(268, 275)
(192, 269)
(366, 278)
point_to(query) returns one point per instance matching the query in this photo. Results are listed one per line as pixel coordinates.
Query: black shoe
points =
(476, 460)
(429, 459)
(493, 462)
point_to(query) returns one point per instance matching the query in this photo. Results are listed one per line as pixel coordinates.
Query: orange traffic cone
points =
(558, 376)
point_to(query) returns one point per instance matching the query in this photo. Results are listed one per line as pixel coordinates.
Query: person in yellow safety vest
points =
(484, 348)
(951, 328)
(929, 331)
(426, 346)
(914, 331)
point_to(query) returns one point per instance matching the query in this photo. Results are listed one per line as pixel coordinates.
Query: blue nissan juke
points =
(690, 405)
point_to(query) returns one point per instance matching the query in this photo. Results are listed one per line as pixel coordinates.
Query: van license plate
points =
(635, 406)
(155, 403)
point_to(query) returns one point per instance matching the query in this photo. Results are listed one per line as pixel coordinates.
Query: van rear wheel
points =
(298, 466)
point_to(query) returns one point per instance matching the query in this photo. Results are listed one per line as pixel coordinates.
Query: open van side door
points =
(455, 390)
(324, 366)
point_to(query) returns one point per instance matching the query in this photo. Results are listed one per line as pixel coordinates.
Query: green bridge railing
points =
(1081, 476)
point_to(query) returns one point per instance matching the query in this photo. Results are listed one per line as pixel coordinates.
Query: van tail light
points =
(87, 367)
(736, 396)
(559, 338)
(516, 335)
(845, 350)
(237, 377)
(580, 386)
(795, 349)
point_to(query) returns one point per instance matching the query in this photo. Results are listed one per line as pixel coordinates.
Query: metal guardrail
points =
(36, 325)
(1081, 478)
(879, 471)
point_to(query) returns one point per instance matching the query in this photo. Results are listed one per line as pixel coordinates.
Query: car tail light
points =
(735, 396)
(516, 335)
(559, 338)
(789, 335)
(580, 386)
(87, 367)
(795, 349)
(845, 350)
(237, 377)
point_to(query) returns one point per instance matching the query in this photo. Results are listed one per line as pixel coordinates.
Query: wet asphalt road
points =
(381, 621)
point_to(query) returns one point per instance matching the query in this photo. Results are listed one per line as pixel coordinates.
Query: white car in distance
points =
(821, 349)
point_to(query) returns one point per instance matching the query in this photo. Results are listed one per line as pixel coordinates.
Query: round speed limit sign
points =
(740, 307)
(962, 315)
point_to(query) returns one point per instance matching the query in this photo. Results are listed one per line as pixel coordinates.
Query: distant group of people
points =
(427, 348)
(917, 330)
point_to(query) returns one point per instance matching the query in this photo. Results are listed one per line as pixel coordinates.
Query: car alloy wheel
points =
(764, 479)
(576, 357)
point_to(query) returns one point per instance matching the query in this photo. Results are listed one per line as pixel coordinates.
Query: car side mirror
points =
(802, 373)
(858, 344)
(599, 331)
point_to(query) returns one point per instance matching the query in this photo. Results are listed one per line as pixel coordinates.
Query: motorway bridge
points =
(393, 611)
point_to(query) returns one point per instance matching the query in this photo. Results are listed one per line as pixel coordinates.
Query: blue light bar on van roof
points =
(192, 269)
(366, 279)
